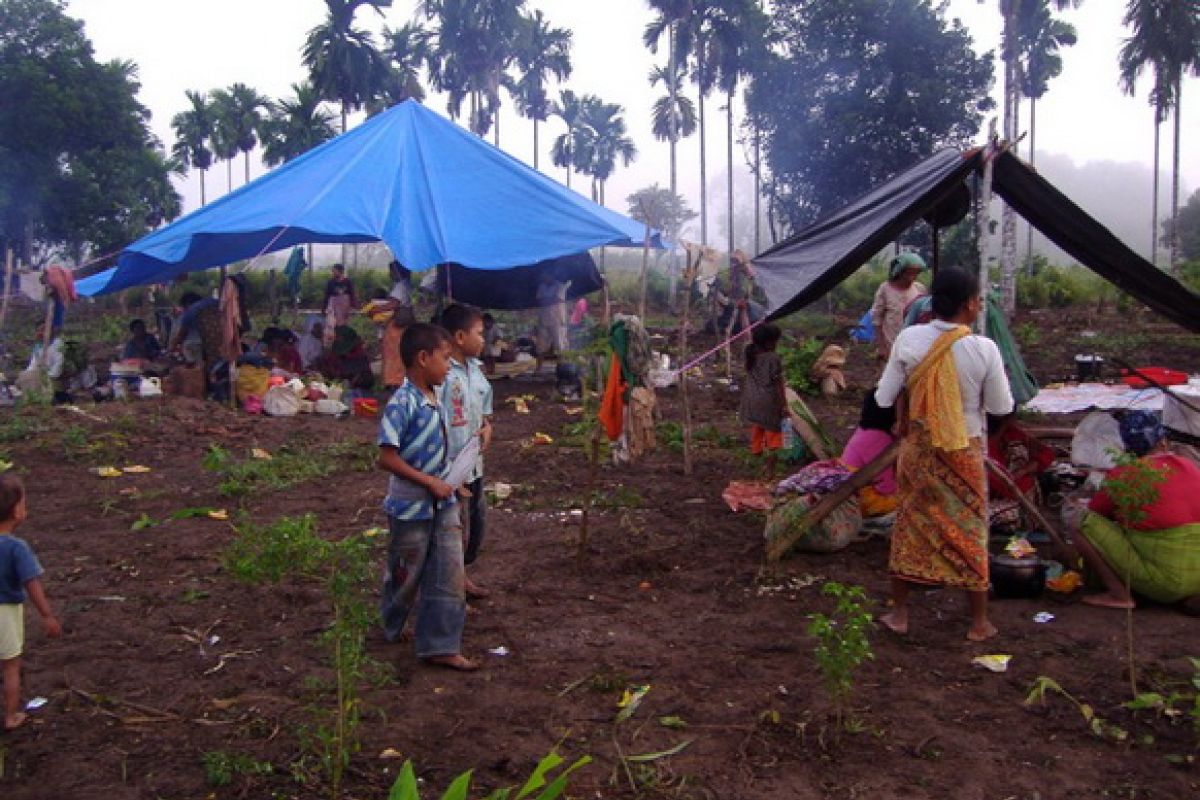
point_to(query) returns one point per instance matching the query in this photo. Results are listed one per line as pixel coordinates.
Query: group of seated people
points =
(1151, 549)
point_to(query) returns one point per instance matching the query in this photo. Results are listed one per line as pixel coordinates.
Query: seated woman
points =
(347, 360)
(872, 436)
(281, 348)
(1024, 458)
(312, 345)
(1152, 548)
(142, 346)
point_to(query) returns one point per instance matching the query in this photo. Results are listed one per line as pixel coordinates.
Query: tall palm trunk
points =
(496, 129)
(570, 156)
(757, 189)
(729, 162)
(1175, 179)
(1154, 200)
(1008, 218)
(203, 201)
(672, 124)
(703, 177)
(229, 175)
(1032, 156)
(535, 143)
(247, 157)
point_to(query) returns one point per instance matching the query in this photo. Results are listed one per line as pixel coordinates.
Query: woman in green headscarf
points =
(893, 297)
(347, 359)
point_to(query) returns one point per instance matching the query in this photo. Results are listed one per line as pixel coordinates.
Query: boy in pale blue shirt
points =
(20, 579)
(467, 398)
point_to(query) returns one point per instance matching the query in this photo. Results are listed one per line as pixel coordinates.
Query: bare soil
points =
(167, 658)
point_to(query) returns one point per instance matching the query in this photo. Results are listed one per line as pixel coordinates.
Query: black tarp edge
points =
(902, 218)
(1090, 243)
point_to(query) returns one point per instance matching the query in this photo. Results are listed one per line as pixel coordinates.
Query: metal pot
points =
(1017, 577)
(1088, 367)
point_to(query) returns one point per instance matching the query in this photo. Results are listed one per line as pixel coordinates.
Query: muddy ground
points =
(168, 661)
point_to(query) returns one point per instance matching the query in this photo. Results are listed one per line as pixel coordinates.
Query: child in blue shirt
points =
(425, 557)
(20, 576)
(467, 399)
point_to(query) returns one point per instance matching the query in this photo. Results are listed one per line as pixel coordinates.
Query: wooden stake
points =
(1063, 550)
(689, 276)
(8, 276)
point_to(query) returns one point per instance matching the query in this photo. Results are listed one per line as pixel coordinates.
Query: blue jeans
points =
(425, 570)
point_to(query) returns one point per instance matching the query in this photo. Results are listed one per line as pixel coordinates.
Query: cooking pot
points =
(1017, 577)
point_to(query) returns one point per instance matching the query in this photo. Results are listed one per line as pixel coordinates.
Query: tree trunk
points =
(645, 270)
(1154, 200)
(672, 124)
(1032, 156)
(570, 156)
(229, 175)
(202, 199)
(729, 163)
(1008, 218)
(703, 176)
(757, 190)
(1175, 180)
(246, 154)
(535, 143)
(496, 129)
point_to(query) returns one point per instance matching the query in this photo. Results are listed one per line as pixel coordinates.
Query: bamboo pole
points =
(689, 276)
(645, 265)
(8, 276)
(1064, 550)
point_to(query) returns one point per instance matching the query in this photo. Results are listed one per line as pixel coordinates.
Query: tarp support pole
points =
(8, 276)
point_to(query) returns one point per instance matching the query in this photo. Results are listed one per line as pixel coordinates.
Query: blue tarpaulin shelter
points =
(431, 191)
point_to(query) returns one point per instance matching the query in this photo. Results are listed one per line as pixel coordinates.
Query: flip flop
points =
(457, 662)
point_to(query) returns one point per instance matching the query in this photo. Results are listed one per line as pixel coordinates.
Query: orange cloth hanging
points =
(612, 407)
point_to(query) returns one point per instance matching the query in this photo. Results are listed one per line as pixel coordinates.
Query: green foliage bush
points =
(798, 360)
(855, 295)
(1060, 287)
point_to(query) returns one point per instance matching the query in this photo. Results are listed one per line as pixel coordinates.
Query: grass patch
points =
(285, 468)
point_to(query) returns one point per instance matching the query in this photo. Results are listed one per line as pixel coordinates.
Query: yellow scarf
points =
(934, 395)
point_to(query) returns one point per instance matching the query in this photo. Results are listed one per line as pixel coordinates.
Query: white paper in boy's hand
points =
(463, 463)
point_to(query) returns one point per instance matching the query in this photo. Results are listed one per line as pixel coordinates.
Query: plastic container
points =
(1160, 375)
(365, 407)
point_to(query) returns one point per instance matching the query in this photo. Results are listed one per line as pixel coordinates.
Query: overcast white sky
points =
(206, 44)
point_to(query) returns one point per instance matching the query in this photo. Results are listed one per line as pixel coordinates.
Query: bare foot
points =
(1107, 600)
(981, 633)
(456, 661)
(896, 621)
(475, 591)
(14, 721)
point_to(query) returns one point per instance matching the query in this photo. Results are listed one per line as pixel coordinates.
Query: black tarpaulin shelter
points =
(804, 267)
(516, 287)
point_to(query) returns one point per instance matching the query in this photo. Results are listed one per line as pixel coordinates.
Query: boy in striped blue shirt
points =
(425, 554)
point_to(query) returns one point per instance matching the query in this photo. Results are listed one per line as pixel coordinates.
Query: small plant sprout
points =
(842, 644)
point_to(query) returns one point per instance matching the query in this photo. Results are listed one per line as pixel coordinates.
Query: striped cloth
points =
(413, 424)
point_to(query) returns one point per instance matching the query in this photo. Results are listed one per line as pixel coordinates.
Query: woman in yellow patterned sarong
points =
(952, 379)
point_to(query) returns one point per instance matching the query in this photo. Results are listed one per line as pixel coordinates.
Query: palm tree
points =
(343, 63)
(407, 48)
(673, 115)
(1012, 12)
(541, 51)
(670, 14)
(296, 125)
(604, 141)
(1040, 37)
(1166, 38)
(569, 108)
(239, 119)
(193, 133)
(473, 46)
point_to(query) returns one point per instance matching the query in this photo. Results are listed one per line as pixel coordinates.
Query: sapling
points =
(842, 643)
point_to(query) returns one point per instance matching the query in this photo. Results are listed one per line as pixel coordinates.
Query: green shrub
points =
(798, 361)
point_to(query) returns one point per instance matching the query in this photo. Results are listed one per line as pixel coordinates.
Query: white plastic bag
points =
(150, 387)
(281, 401)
